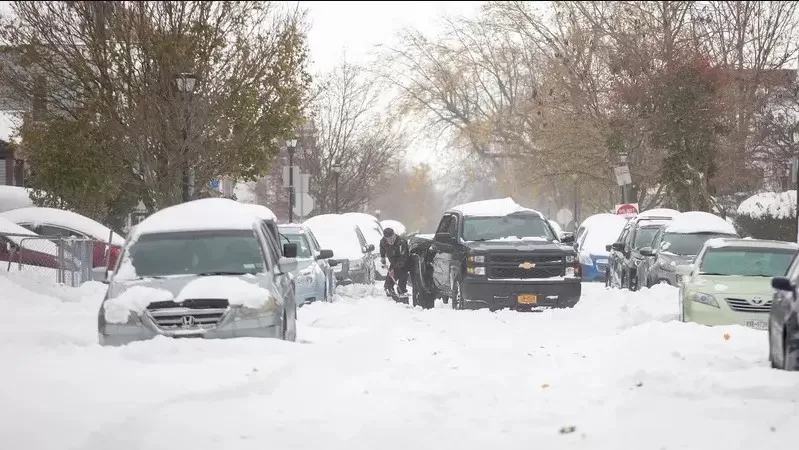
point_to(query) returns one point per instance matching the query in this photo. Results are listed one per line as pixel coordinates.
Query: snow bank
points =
(601, 231)
(133, 300)
(779, 205)
(63, 218)
(204, 214)
(238, 291)
(699, 222)
(493, 208)
(395, 225)
(337, 233)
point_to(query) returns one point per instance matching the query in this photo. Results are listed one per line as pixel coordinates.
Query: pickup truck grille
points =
(519, 259)
(516, 272)
(190, 314)
(518, 266)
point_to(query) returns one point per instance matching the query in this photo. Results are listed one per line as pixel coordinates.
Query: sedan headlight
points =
(705, 299)
(355, 264)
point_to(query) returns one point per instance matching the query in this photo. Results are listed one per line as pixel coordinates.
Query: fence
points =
(65, 260)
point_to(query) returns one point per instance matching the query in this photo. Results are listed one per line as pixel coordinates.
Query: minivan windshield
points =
(515, 226)
(751, 262)
(205, 252)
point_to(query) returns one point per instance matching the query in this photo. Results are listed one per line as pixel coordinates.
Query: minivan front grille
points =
(197, 313)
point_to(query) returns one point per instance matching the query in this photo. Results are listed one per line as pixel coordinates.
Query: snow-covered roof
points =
(658, 212)
(362, 217)
(395, 225)
(337, 233)
(13, 197)
(260, 211)
(492, 208)
(603, 229)
(750, 243)
(779, 205)
(204, 214)
(699, 222)
(62, 218)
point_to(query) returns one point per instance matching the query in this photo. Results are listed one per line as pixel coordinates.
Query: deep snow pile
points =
(779, 205)
(368, 373)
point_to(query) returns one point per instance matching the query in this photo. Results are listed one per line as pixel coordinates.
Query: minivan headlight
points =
(269, 307)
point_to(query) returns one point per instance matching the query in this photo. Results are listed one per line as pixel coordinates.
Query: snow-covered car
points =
(678, 243)
(373, 233)
(597, 232)
(350, 249)
(314, 278)
(62, 224)
(395, 225)
(498, 254)
(730, 281)
(206, 269)
(559, 230)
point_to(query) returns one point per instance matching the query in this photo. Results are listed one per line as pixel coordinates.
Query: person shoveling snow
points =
(395, 248)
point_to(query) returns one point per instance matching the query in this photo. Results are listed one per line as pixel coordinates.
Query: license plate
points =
(528, 299)
(757, 324)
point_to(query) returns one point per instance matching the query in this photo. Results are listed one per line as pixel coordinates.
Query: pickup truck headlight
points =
(476, 270)
(477, 259)
(570, 258)
(705, 299)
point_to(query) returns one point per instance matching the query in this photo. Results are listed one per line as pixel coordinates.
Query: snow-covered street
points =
(616, 372)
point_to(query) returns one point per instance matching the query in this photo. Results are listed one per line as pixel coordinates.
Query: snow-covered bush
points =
(768, 215)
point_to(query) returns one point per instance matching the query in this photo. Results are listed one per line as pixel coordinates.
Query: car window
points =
(657, 239)
(275, 246)
(50, 230)
(303, 247)
(624, 233)
(312, 241)
(643, 236)
(443, 226)
(452, 227)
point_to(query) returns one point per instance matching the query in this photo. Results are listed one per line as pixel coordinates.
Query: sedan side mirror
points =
(369, 248)
(609, 247)
(290, 250)
(618, 246)
(782, 284)
(646, 251)
(324, 254)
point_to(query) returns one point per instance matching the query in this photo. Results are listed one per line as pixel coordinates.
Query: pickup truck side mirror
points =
(444, 238)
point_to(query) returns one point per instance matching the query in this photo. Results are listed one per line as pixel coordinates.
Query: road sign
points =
(302, 185)
(564, 216)
(623, 175)
(304, 205)
(214, 184)
(627, 210)
(286, 180)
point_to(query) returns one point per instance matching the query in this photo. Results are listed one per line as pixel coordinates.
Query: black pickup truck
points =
(508, 258)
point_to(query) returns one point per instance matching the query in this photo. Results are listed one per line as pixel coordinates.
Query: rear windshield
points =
(196, 253)
(753, 262)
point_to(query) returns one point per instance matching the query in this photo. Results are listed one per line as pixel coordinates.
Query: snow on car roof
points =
(62, 218)
(197, 215)
(749, 243)
(42, 245)
(660, 213)
(13, 197)
(602, 230)
(699, 222)
(260, 211)
(359, 216)
(779, 205)
(601, 216)
(337, 233)
(492, 208)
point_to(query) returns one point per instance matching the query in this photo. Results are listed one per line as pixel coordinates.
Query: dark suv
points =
(625, 257)
(511, 258)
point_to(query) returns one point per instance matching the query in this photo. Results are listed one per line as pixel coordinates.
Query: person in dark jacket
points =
(395, 248)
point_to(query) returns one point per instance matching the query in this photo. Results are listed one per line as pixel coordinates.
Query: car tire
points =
(285, 327)
(790, 360)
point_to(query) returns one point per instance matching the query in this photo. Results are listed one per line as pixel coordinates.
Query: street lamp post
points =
(291, 145)
(336, 173)
(185, 83)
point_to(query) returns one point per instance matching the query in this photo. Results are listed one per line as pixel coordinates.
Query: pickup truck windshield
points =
(507, 227)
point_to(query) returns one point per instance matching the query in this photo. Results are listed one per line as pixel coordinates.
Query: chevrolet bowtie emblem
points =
(527, 265)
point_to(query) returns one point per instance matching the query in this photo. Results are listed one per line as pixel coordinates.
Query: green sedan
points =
(729, 283)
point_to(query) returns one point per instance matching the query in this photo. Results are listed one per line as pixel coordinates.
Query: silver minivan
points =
(224, 276)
